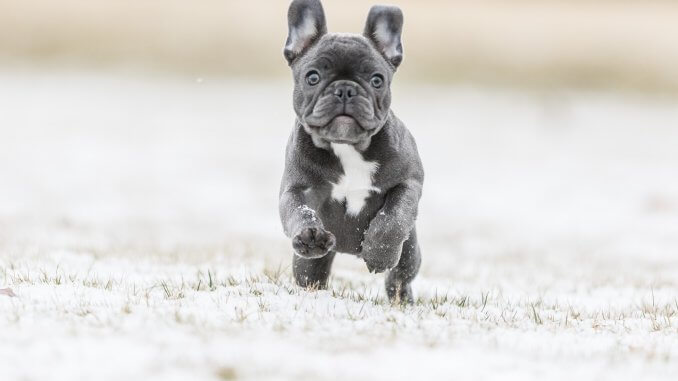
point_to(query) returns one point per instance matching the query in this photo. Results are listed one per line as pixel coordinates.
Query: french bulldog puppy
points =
(353, 177)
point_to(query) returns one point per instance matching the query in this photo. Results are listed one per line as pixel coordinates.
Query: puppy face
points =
(342, 89)
(342, 81)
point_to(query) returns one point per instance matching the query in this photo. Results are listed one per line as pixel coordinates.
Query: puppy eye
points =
(377, 81)
(312, 78)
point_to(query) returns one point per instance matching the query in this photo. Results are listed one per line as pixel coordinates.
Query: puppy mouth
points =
(343, 128)
(344, 120)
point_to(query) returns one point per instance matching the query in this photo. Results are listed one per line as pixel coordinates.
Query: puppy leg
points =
(399, 278)
(312, 272)
(388, 230)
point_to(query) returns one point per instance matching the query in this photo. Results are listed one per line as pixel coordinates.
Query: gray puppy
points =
(353, 176)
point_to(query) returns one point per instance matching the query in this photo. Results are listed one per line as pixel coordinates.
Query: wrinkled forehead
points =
(345, 52)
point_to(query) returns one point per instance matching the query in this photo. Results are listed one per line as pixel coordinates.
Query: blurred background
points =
(621, 44)
(144, 123)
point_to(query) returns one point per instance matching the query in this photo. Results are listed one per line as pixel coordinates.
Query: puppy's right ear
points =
(306, 23)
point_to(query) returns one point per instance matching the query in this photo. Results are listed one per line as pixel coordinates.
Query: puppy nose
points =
(345, 92)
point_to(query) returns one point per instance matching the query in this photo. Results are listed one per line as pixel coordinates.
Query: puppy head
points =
(342, 81)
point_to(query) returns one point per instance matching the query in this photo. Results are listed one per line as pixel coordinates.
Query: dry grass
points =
(220, 322)
(627, 44)
(243, 295)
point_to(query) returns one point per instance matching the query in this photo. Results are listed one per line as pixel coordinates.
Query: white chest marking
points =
(355, 184)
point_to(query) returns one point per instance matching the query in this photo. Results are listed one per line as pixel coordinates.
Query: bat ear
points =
(384, 27)
(306, 23)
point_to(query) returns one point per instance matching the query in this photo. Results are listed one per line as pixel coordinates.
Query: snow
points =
(139, 232)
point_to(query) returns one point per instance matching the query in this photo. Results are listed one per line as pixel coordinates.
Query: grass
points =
(254, 293)
(209, 305)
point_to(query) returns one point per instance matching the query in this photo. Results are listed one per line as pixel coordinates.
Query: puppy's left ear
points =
(306, 23)
(384, 27)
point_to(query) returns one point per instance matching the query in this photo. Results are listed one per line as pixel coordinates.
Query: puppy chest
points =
(356, 183)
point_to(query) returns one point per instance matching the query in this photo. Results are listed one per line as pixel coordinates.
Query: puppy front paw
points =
(380, 257)
(313, 242)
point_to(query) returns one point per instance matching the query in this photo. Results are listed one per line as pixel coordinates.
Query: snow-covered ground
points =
(139, 231)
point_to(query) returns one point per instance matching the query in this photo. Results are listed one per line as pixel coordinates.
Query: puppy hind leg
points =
(398, 281)
(312, 273)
